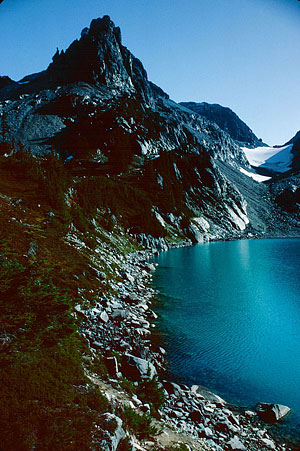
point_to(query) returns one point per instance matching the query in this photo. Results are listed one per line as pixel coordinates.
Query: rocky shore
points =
(120, 325)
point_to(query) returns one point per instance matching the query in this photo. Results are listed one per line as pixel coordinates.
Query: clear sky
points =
(244, 54)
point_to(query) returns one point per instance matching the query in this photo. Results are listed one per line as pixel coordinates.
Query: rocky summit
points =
(100, 169)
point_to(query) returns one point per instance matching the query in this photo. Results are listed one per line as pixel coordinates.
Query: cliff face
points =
(97, 58)
(100, 58)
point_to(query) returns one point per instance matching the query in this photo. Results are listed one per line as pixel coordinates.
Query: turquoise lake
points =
(229, 318)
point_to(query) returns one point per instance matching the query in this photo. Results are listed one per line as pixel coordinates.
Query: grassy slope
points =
(51, 222)
(41, 350)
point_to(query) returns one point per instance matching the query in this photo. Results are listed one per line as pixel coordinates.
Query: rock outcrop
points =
(135, 368)
(272, 412)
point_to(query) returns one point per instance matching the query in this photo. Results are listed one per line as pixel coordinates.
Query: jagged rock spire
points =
(99, 57)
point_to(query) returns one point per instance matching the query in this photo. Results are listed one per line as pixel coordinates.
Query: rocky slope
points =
(227, 120)
(105, 117)
(118, 168)
(294, 140)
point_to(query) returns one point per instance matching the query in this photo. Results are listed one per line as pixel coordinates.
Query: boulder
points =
(222, 427)
(268, 443)
(135, 368)
(208, 432)
(119, 314)
(131, 298)
(236, 444)
(172, 388)
(208, 395)
(111, 432)
(196, 416)
(104, 316)
(271, 413)
(129, 277)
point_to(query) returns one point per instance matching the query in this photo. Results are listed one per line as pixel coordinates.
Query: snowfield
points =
(277, 159)
(257, 177)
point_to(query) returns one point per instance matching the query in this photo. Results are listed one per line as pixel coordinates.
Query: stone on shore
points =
(135, 368)
(272, 413)
(171, 388)
(208, 395)
(112, 432)
(236, 444)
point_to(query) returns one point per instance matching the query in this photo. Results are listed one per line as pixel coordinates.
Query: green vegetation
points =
(47, 402)
(130, 205)
(150, 391)
(177, 447)
(141, 425)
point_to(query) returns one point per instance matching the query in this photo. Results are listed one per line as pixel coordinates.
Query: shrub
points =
(36, 388)
(129, 204)
(23, 164)
(54, 182)
(97, 401)
(141, 425)
(151, 392)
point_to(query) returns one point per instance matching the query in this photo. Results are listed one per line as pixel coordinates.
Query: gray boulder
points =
(271, 413)
(236, 444)
(208, 395)
(172, 388)
(120, 314)
(135, 368)
(104, 316)
(111, 432)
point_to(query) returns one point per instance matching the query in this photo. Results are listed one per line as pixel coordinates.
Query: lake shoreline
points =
(293, 440)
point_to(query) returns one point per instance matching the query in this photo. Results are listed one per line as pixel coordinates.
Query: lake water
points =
(229, 318)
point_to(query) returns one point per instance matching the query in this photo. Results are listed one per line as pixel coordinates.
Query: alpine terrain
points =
(100, 169)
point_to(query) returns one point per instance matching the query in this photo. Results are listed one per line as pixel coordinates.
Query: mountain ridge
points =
(227, 120)
(99, 170)
(107, 117)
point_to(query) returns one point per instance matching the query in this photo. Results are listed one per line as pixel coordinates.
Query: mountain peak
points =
(93, 57)
(100, 26)
(99, 57)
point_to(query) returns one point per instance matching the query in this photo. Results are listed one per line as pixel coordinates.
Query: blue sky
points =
(243, 54)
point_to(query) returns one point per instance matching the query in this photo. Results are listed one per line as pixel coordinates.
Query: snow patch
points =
(277, 159)
(256, 177)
